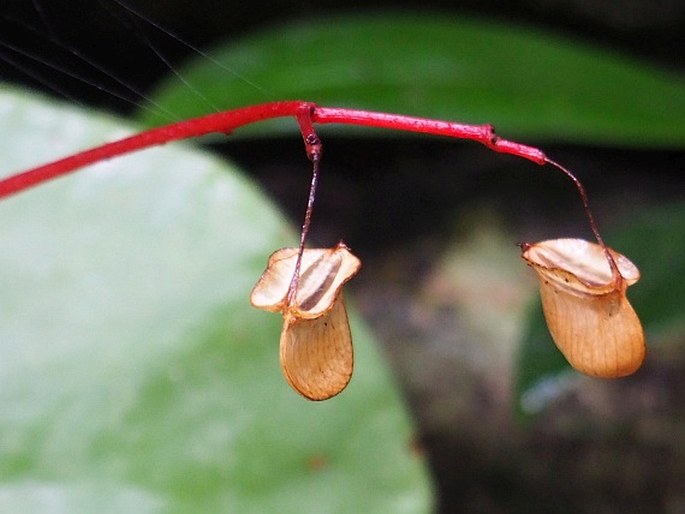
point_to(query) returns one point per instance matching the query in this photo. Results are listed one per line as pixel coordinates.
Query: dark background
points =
(101, 30)
(398, 220)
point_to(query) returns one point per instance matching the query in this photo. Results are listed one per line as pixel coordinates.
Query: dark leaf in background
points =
(530, 84)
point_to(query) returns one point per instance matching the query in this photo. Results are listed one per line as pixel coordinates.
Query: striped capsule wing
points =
(587, 312)
(323, 272)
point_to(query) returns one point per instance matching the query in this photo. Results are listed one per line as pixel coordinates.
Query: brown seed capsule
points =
(316, 344)
(585, 305)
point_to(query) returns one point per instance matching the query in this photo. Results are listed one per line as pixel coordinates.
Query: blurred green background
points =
(503, 424)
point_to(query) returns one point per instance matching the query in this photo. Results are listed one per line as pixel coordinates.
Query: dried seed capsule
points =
(316, 344)
(585, 305)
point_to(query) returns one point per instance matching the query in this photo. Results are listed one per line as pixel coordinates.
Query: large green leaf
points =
(525, 81)
(135, 377)
(654, 241)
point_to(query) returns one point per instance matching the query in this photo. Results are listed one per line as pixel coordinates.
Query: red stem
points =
(306, 114)
(228, 121)
(484, 134)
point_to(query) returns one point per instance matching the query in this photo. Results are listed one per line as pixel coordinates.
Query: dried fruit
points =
(584, 301)
(316, 344)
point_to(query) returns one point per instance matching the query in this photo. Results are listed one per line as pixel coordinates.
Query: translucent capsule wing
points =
(579, 265)
(323, 272)
(321, 281)
(272, 287)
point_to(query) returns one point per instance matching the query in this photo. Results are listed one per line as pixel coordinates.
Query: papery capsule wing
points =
(321, 281)
(323, 272)
(600, 336)
(316, 354)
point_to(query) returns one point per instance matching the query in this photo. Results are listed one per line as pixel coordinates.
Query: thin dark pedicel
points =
(292, 289)
(591, 219)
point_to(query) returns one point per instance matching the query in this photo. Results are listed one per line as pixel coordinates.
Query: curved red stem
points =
(225, 122)
(228, 121)
(306, 114)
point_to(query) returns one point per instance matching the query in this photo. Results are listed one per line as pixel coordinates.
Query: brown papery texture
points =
(316, 354)
(600, 336)
(316, 344)
(323, 272)
(587, 312)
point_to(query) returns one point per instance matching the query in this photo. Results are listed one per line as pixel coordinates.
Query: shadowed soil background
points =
(435, 224)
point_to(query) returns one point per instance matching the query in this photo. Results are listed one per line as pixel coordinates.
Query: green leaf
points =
(135, 375)
(528, 83)
(654, 241)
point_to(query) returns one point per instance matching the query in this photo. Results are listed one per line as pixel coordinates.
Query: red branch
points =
(306, 113)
